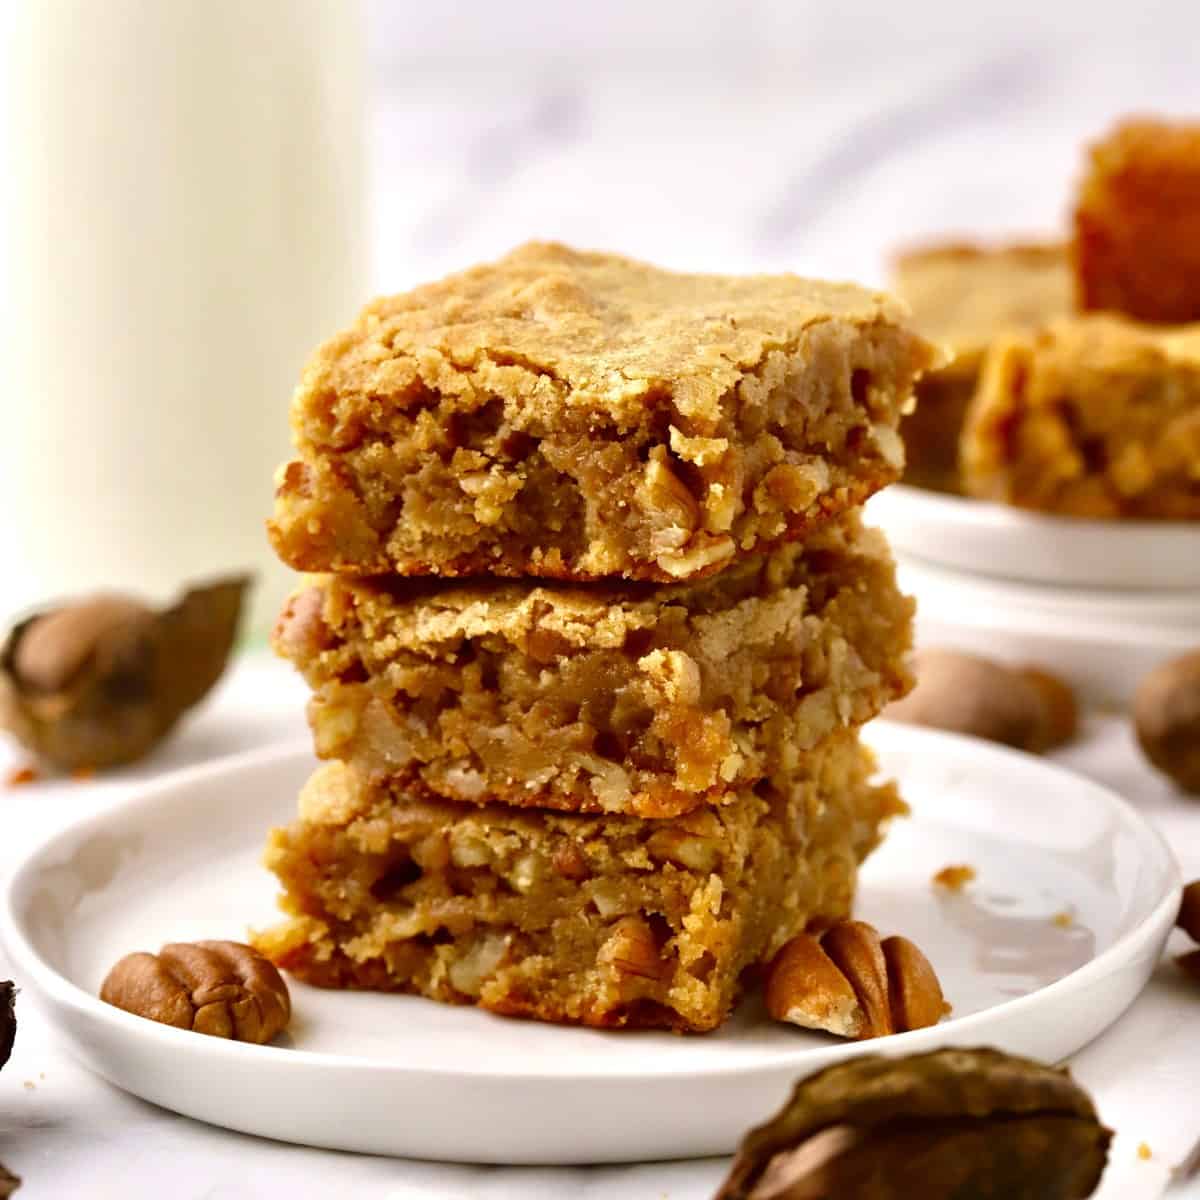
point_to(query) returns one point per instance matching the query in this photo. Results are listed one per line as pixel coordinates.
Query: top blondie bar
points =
(580, 416)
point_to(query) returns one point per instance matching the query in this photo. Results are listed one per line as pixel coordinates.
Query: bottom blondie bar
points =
(598, 919)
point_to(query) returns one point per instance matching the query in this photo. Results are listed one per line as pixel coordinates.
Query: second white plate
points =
(982, 538)
(1102, 642)
(1074, 898)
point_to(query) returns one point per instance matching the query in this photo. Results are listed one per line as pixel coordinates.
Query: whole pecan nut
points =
(1026, 707)
(852, 983)
(224, 989)
(941, 1126)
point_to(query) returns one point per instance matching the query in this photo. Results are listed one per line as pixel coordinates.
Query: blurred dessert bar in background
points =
(1137, 223)
(603, 920)
(577, 415)
(963, 296)
(1092, 417)
(1048, 403)
(605, 698)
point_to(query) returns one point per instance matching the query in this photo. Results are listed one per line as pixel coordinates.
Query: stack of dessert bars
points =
(593, 625)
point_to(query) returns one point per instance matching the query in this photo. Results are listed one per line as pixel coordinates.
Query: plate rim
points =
(939, 526)
(970, 510)
(144, 796)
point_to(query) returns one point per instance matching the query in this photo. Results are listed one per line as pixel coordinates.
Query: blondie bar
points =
(638, 698)
(1094, 416)
(579, 416)
(963, 296)
(603, 920)
(1137, 223)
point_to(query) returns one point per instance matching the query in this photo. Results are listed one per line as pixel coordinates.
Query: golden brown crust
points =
(1093, 417)
(963, 296)
(1137, 223)
(581, 416)
(602, 920)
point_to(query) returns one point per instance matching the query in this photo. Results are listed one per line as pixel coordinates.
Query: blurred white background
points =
(809, 135)
(180, 197)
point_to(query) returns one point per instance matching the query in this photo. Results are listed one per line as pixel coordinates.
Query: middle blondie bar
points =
(633, 699)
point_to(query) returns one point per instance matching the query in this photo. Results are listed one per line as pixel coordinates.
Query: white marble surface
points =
(70, 1134)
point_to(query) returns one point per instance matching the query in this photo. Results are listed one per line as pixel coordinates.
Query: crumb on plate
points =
(954, 877)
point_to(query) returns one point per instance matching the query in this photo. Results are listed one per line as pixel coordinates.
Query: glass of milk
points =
(182, 210)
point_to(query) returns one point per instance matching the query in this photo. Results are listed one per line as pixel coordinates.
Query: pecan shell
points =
(951, 1125)
(101, 681)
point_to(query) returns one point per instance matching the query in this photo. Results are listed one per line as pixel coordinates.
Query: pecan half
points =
(1189, 911)
(224, 989)
(632, 956)
(942, 1126)
(851, 983)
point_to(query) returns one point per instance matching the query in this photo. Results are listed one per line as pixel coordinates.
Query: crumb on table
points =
(1144, 1151)
(954, 877)
(1064, 920)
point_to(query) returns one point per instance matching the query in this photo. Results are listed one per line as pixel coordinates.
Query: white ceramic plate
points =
(402, 1075)
(1103, 642)
(998, 540)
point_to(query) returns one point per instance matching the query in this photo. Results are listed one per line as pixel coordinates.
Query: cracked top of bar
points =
(582, 416)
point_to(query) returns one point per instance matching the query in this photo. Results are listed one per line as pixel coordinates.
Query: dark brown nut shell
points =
(102, 681)
(950, 1125)
(1189, 911)
(8, 1182)
(224, 989)
(1024, 1158)
(1166, 713)
(8, 1019)
(1189, 964)
(8, 1033)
